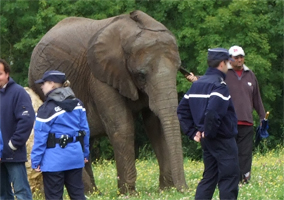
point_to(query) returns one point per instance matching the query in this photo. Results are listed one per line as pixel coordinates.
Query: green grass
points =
(267, 182)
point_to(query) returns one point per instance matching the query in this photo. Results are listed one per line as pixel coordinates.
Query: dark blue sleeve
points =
(42, 127)
(25, 117)
(85, 127)
(216, 110)
(1, 144)
(185, 118)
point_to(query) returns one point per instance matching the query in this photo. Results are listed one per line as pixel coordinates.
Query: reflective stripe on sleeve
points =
(187, 96)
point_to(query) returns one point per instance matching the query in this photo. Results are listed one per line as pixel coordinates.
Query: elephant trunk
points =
(171, 130)
(164, 105)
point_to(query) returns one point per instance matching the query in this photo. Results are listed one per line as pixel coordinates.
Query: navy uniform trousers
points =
(54, 184)
(220, 157)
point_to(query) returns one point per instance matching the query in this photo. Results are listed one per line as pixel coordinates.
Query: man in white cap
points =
(244, 90)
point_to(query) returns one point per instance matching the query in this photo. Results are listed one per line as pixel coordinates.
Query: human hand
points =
(85, 160)
(191, 77)
(197, 137)
(38, 169)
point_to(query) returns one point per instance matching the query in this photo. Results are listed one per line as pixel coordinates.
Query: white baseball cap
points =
(236, 50)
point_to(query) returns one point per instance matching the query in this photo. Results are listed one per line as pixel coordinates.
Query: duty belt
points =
(65, 139)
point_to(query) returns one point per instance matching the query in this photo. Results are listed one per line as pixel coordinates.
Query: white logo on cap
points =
(249, 83)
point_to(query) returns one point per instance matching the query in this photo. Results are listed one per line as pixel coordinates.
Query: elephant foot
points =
(128, 190)
(180, 189)
(165, 183)
(95, 192)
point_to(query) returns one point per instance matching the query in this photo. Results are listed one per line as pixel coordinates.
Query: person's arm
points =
(25, 116)
(216, 109)
(191, 77)
(257, 102)
(1, 144)
(186, 120)
(84, 126)
(41, 130)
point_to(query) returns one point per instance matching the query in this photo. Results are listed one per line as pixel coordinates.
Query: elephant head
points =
(128, 64)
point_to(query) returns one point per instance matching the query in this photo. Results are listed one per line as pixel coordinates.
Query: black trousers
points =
(220, 157)
(54, 184)
(244, 141)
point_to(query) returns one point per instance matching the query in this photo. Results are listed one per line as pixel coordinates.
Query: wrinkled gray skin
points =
(119, 67)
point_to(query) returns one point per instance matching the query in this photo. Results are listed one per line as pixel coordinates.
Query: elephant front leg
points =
(118, 122)
(121, 134)
(123, 145)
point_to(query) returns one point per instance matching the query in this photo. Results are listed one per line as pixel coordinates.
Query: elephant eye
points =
(141, 78)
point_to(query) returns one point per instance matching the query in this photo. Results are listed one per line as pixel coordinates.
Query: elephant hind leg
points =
(89, 180)
(88, 176)
(88, 188)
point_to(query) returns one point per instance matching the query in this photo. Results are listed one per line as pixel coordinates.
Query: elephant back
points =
(64, 48)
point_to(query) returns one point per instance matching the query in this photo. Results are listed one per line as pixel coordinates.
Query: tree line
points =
(257, 26)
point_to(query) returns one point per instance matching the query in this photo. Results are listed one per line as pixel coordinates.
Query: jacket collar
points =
(245, 67)
(211, 71)
(10, 82)
(60, 94)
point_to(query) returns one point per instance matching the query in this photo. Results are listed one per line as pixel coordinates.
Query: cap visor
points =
(39, 81)
(231, 59)
(238, 54)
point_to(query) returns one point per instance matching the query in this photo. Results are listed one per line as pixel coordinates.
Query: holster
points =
(81, 139)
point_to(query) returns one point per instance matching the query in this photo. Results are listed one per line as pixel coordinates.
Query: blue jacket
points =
(61, 114)
(17, 118)
(207, 106)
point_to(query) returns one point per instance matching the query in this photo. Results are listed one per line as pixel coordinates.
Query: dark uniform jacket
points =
(17, 119)
(207, 106)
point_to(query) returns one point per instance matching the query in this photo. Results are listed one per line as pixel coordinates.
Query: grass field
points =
(267, 182)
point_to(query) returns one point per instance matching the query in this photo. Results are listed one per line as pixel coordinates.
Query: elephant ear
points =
(146, 22)
(107, 57)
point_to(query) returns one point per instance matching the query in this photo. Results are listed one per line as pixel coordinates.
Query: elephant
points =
(121, 67)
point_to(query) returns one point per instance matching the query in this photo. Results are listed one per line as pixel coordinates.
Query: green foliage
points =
(256, 25)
